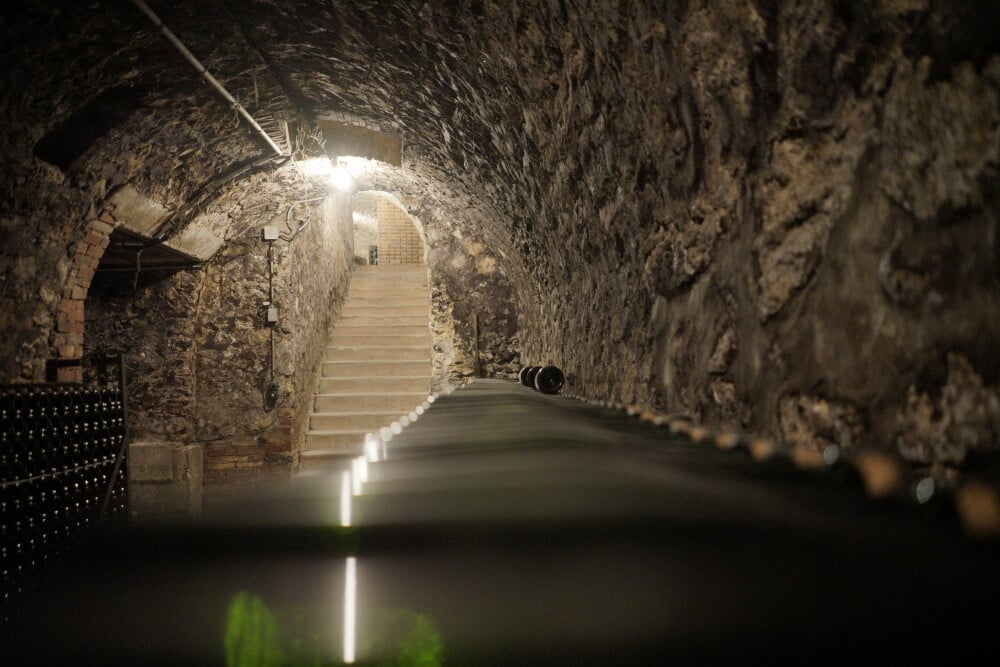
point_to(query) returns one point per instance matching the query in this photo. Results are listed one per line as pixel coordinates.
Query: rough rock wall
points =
(776, 216)
(82, 114)
(198, 346)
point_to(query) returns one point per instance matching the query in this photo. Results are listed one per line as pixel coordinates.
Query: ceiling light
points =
(317, 166)
(342, 179)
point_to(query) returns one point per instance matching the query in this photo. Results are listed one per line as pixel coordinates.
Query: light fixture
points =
(339, 175)
(342, 179)
(317, 166)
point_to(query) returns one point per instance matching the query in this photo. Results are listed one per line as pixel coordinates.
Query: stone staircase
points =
(377, 365)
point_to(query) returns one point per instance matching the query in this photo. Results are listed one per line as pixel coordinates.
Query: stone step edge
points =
(380, 361)
(352, 450)
(359, 394)
(389, 314)
(369, 377)
(372, 413)
(377, 305)
(342, 325)
(375, 347)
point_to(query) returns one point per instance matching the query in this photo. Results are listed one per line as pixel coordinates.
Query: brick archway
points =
(67, 339)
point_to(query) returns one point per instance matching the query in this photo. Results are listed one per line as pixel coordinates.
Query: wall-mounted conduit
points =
(271, 391)
(212, 81)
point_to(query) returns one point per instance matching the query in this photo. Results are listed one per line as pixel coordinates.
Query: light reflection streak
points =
(345, 499)
(371, 447)
(350, 607)
(356, 475)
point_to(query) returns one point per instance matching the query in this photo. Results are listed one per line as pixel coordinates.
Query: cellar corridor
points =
(772, 224)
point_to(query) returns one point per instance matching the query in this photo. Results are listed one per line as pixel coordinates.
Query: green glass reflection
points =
(251, 633)
(402, 638)
(256, 636)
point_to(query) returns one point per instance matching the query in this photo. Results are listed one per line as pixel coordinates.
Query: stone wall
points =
(199, 348)
(777, 216)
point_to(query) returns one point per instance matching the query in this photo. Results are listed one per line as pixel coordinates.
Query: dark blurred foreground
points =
(507, 527)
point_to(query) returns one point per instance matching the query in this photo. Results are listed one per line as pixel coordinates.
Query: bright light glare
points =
(350, 607)
(317, 166)
(342, 179)
(356, 475)
(339, 175)
(371, 447)
(345, 499)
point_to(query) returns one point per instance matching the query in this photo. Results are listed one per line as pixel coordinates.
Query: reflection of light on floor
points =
(359, 473)
(345, 499)
(350, 607)
(371, 447)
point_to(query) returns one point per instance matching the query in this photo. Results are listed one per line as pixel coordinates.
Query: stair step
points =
(377, 363)
(368, 422)
(377, 352)
(353, 440)
(375, 368)
(390, 275)
(410, 384)
(389, 268)
(422, 339)
(393, 292)
(374, 280)
(383, 320)
(387, 301)
(370, 310)
(399, 402)
(397, 291)
(322, 459)
(382, 329)
(407, 288)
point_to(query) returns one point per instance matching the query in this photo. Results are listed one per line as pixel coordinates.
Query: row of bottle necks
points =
(546, 379)
(47, 404)
(53, 460)
(50, 490)
(30, 528)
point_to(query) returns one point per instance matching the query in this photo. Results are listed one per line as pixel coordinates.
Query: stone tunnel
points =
(775, 218)
(767, 224)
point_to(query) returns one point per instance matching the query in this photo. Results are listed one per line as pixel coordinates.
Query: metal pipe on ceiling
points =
(172, 38)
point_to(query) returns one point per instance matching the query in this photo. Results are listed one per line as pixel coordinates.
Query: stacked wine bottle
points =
(546, 379)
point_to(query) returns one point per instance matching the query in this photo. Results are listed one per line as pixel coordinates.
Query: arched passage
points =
(778, 218)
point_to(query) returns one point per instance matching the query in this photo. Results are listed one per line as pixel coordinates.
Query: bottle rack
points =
(61, 473)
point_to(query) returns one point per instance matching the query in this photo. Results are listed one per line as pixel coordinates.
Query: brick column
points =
(68, 337)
